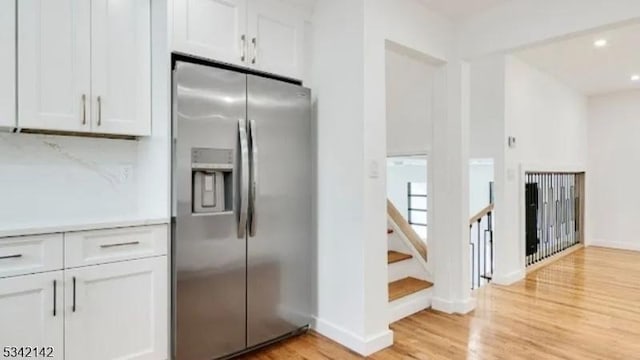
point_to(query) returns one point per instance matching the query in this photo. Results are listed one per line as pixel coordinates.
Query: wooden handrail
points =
(406, 229)
(482, 213)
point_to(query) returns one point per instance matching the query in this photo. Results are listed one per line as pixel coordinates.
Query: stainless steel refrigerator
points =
(242, 236)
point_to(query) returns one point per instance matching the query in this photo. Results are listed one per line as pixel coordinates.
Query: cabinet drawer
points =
(102, 246)
(30, 254)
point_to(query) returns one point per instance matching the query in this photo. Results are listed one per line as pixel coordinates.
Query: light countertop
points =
(36, 229)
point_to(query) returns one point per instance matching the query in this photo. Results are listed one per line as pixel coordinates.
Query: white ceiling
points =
(590, 70)
(457, 9)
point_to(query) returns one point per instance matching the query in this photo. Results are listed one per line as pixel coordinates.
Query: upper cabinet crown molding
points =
(265, 35)
(85, 66)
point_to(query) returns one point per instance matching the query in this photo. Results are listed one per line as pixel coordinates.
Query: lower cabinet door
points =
(31, 316)
(117, 311)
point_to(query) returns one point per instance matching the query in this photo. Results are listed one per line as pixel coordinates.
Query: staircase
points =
(408, 273)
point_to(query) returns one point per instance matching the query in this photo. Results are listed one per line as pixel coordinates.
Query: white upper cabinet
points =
(7, 63)
(276, 36)
(265, 35)
(85, 66)
(121, 66)
(54, 64)
(212, 29)
(31, 313)
(117, 311)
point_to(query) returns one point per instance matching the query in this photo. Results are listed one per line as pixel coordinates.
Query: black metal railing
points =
(481, 243)
(417, 205)
(552, 214)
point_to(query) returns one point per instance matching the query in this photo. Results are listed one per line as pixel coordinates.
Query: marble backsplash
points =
(47, 179)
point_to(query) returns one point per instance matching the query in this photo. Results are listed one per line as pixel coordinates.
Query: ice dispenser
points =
(212, 172)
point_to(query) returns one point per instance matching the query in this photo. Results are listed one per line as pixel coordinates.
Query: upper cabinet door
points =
(121, 67)
(7, 63)
(117, 311)
(211, 29)
(276, 38)
(54, 47)
(31, 313)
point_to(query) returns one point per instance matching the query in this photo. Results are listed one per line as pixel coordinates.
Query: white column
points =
(448, 239)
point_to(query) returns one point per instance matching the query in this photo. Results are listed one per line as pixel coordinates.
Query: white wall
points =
(401, 171)
(547, 117)
(487, 107)
(409, 24)
(549, 121)
(480, 175)
(337, 83)
(409, 92)
(613, 171)
(351, 36)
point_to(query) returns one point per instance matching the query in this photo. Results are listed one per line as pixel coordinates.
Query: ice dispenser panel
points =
(212, 173)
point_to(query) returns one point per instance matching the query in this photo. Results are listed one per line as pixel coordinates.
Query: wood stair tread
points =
(396, 256)
(407, 286)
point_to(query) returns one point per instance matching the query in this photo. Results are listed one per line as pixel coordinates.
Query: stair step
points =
(395, 256)
(389, 231)
(407, 286)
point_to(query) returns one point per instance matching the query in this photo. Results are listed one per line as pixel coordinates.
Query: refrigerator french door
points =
(242, 237)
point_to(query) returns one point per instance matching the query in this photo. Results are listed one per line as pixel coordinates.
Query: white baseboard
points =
(453, 307)
(364, 347)
(615, 245)
(508, 279)
(409, 305)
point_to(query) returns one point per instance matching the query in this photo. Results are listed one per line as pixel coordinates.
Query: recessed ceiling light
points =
(600, 43)
(635, 77)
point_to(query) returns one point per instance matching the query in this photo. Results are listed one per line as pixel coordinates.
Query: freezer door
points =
(280, 235)
(209, 249)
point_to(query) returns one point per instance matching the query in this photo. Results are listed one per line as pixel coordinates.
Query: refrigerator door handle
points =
(244, 179)
(254, 179)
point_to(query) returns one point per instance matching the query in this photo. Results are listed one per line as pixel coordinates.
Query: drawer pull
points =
(120, 244)
(55, 296)
(11, 256)
(73, 307)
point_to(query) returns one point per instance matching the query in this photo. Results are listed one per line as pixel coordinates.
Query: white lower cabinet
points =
(110, 301)
(117, 311)
(32, 315)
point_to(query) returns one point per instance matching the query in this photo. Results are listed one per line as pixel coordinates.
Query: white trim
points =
(364, 347)
(615, 245)
(453, 307)
(545, 167)
(409, 153)
(409, 305)
(464, 306)
(508, 279)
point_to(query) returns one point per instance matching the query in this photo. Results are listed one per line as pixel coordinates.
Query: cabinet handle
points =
(243, 45)
(73, 307)
(84, 109)
(55, 296)
(10, 256)
(254, 41)
(99, 110)
(119, 244)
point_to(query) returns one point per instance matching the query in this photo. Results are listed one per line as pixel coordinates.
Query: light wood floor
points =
(584, 306)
